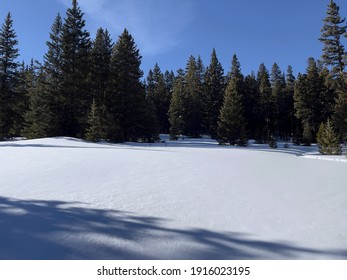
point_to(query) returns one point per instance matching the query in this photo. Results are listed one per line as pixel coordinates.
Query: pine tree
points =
(40, 117)
(159, 96)
(251, 94)
(193, 94)
(8, 77)
(126, 98)
(231, 126)
(328, 141)
(340, 112)
(312, 99)
(277, 80)
(264, 106)
(290, 122)
(100, 57)
(52, 95)
(76, 93)
(53, 57)
(25, 80)
(334, 28)
(214, 91)
(176, 110)
(95, 132)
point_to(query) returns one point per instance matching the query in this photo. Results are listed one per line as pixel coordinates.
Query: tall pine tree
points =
(176, 110)
(214, 92)
(312, 100)
(334, 55)
(75, 89)
(8, 77)
(232, 126)
(264, 106)
(159, 95)
(193, 101)
(128, 109)
(46, 97)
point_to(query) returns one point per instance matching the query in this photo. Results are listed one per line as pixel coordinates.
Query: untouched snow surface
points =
(63, 198)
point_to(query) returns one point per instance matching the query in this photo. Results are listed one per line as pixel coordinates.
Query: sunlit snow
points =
(63, 198)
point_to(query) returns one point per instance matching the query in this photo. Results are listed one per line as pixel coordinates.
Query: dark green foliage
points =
(334, 28)
(40, 120)
(186, 108)
(48, 88)
(231, 126)
(288, 121)
(100, 61)
(8, 78)
(158, 92)
(95, 131)
(278, 100)
(250, 99)
(328, 141)
(53, 57)
(307, 134)
(176, 110)
(264, 109)
(193, 94)
(127, 107)
(340, 112)
(75, 87)
(214, 93)
(313, 99)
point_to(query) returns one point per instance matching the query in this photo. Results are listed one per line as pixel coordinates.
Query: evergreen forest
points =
(94, 89)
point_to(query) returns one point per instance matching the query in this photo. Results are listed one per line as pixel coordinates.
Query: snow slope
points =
(63, 198)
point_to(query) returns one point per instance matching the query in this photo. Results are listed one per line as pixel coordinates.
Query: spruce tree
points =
(159, 96)
(340, 112)
(264, 106)
(251, 94)
(214, 91)
(193, 92)
(231, 126)
(176, 110)
(8, 77)
(40, 119)
(290, 122)
(126, 98)
(100, 60)
(328, 141)
(25, 81)
(312, 99)
(76, 93)
(95, 131)
(277, 80)
(53, 95)
(334, 55)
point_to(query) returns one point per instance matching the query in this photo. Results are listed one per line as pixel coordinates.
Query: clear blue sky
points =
(169, 31)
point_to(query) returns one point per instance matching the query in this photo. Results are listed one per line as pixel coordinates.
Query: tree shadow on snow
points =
(40, 229)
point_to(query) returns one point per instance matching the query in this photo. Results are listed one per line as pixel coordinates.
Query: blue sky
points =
(169, 31)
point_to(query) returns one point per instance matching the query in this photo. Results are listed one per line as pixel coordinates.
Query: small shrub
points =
(286, 146)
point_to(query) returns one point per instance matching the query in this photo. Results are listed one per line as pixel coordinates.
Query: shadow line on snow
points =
(162, 147)
(48, 229)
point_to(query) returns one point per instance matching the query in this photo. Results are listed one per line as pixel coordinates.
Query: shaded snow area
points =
(63, 198)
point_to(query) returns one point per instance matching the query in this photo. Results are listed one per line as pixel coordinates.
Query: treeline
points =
(93, 89)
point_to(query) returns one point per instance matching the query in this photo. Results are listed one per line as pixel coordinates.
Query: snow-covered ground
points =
(63, 198)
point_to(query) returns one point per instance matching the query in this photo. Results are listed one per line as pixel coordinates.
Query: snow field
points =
(63, 198)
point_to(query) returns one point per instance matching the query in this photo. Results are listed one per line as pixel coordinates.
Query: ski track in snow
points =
(63, 198)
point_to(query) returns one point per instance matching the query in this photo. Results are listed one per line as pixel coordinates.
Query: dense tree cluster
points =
(94, 89)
